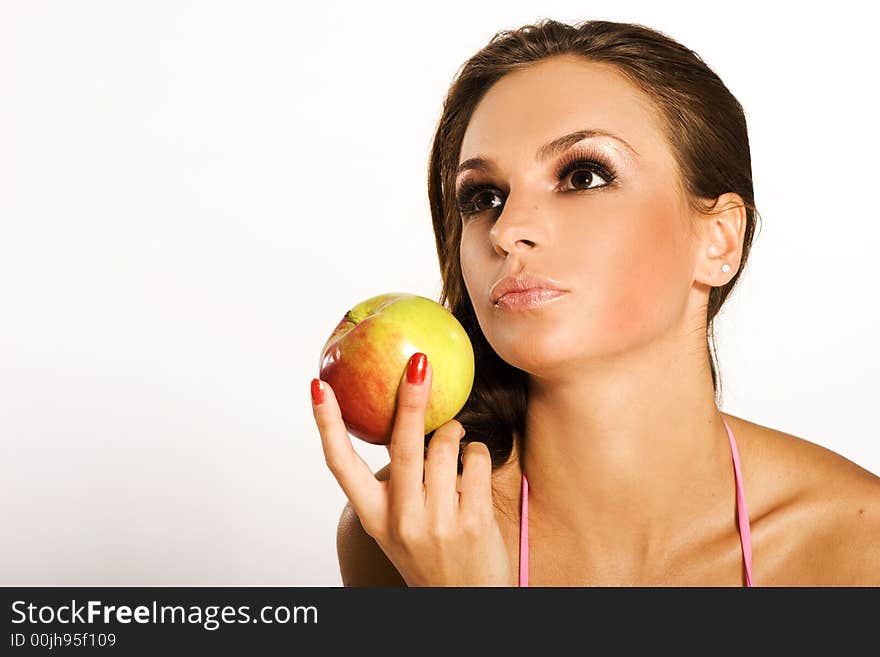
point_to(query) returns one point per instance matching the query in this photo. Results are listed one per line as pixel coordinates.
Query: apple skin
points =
(365, 358)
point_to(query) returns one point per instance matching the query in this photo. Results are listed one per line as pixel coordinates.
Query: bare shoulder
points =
(361, 561)
(816, 519)
(846, 538)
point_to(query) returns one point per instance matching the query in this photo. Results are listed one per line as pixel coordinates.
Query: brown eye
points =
(473, 198)
(487, 198)
(586, 175)
(584, 168)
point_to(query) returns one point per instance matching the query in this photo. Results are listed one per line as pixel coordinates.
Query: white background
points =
(193, 193)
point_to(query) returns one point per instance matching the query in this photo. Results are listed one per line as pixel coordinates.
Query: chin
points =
(537, 356)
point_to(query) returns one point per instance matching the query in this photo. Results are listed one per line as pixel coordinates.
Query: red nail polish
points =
(418, 366)
(317, 392)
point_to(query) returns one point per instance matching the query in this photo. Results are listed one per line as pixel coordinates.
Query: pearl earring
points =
(725, 268)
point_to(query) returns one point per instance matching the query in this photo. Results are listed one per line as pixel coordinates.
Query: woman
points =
(609, 166)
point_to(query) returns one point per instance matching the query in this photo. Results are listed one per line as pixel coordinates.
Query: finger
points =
(476, 480)
(408, 439)
(357, 481)
(441, 470)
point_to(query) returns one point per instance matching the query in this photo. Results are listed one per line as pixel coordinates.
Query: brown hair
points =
(704, 126)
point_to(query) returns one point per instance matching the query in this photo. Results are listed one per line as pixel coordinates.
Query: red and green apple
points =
(366, 355)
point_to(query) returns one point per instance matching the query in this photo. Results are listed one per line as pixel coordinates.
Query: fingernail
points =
(317, 392)
(415, 371)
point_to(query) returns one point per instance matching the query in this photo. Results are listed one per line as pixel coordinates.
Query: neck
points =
(627, 457)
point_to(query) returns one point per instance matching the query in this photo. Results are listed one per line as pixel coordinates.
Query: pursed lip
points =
(521, 283)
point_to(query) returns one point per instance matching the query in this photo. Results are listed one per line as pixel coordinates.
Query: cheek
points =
(643, 292)
(467, 262)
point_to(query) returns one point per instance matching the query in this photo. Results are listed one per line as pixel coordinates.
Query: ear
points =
(721, 235)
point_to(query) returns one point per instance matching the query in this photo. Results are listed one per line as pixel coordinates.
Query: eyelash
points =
(590, 161)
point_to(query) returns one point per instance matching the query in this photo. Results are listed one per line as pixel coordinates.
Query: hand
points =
(436, 530)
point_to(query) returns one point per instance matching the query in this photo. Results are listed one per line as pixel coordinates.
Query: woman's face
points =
(622, 248)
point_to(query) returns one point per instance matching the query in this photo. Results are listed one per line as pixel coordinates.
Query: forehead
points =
(527, 108)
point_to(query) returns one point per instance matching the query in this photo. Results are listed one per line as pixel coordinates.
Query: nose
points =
(517, 230)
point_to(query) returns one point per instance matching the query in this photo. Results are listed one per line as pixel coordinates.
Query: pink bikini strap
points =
(524, 534)
(742, 513)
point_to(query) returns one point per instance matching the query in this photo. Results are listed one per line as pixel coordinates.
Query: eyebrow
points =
(548, 150)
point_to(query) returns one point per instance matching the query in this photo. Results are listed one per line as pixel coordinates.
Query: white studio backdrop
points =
(193, 193)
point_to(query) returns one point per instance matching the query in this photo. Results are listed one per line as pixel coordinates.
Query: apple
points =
(365, 358)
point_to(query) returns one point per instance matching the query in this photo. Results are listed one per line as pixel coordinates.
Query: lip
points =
(522, 282)
(528, 299)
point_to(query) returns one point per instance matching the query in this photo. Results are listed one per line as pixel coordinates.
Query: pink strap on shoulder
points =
(745, 533)
(524, 534)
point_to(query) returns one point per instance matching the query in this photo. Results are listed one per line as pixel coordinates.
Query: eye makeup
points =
(583, 159)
